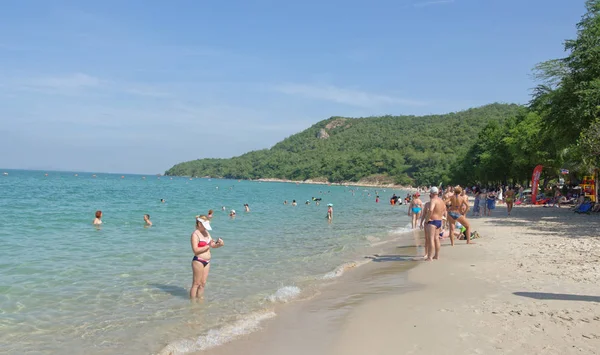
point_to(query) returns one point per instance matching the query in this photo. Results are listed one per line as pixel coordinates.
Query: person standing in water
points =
(330, 212)
(201, 242)
(147, 220)
(414, 210)
(98, 220)
(246, 207)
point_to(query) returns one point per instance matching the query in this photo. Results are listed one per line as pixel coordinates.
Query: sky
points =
(136, 86)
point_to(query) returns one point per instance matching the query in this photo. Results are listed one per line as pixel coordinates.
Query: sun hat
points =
(434, 190)
(330, 205)
(205, 222)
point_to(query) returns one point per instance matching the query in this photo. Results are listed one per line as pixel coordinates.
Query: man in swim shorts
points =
(437, 209)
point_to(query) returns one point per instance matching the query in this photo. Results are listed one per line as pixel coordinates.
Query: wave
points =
(217, 337)
(339, 271)
(284, 294)
(402, 230)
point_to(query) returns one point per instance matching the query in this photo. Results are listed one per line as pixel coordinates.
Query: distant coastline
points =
(343, 183)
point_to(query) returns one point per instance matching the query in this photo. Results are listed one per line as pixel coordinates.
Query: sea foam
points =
(284, 294)
(339, 271)
(217, 337)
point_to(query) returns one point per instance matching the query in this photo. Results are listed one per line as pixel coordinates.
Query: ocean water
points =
(68, 287)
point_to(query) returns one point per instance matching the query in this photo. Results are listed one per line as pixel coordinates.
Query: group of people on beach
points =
(441, 217)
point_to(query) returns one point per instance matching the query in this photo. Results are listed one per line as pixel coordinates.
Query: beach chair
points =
(585, 207)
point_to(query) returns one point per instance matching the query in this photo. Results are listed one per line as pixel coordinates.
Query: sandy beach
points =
(529, 286)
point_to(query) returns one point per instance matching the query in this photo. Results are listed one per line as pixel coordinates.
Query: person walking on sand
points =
(201, 242)
(491, 202)
(414, 210)
(436, 210)
(458, 205)
(509, 199)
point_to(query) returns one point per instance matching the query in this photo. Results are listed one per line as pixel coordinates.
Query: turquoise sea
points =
(68, 287)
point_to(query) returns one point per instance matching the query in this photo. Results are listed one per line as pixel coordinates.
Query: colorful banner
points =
(535, 180)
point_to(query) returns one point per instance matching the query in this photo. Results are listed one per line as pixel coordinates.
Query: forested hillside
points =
(403, 149)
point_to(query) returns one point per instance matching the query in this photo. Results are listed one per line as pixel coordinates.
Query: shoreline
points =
(531, 284)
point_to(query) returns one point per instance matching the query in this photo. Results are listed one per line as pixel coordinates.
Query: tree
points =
(569, 97)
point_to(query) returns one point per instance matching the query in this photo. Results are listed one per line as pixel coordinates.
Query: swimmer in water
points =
(294, 203)
(329, 212)
(162, 200)
(210, 213)
(98, 220)
(232, 213)
(246, 207)
(147, 220)
(201, 242)
(222, 208)
(285, 202)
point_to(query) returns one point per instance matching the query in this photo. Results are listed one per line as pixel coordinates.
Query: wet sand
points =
(530, 285)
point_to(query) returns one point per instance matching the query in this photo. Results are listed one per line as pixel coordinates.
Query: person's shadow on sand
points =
(176, 291)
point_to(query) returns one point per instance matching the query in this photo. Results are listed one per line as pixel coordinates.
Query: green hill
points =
(400, 149)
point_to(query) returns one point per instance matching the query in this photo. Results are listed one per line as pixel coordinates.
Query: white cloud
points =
(344, 96)
(431, 3)
(72, 81)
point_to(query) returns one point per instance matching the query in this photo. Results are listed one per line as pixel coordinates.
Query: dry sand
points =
(529, 286)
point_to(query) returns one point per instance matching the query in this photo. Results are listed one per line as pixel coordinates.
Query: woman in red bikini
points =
(201, 245)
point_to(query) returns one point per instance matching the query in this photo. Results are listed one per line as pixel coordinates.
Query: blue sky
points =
(137, 86)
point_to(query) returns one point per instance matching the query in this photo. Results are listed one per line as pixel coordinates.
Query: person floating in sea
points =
(294, 203)
(232, 213)
(246, 207)
(98, 220)
(223, 208)
(210, 214)
(330, 212)
(436, 212)
(147, 220)
(414, 210)
(459, 204)
(201, 242)
(285, 202)
(162, 200)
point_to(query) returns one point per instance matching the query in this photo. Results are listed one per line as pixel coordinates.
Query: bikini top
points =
(202, 243)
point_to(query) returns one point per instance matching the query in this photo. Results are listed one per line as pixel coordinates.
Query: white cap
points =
(205, 223)
(434, 190)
